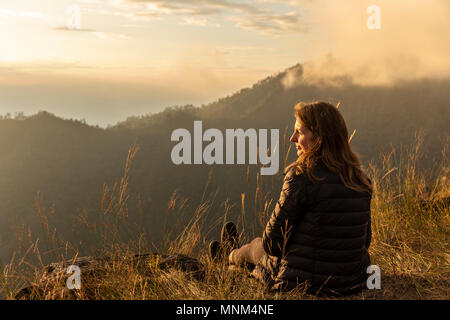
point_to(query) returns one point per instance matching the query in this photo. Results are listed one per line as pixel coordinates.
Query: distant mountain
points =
(68, 162)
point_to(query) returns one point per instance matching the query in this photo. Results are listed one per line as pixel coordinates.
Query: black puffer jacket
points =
(327, 227)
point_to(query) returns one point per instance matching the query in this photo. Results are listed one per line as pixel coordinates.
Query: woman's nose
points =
(294, 138)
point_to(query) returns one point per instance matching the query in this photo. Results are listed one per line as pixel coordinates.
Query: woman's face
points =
(302, 137)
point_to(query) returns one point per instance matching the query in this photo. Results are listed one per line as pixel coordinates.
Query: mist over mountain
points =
(65, 164)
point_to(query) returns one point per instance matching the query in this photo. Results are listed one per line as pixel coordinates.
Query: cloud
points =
(109, 35)
(198, 6)
(65, 28)
(28, 64)
(202, 22)
(271, 24)
(410, 44)
(256, 15)
(21, 14)
(99, 34)
(251, 16)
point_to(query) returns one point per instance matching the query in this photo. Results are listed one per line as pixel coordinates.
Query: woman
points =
(319, 231)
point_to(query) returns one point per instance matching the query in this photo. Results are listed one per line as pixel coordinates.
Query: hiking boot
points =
(229, 238)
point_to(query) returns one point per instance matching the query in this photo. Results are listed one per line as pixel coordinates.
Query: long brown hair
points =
(330, 145)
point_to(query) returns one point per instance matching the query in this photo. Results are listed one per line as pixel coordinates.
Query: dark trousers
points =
(248, 254)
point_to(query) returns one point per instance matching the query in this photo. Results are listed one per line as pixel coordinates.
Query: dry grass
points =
(410, 242)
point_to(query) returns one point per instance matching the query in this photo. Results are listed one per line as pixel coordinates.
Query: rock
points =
(55, 274)
(192, 267)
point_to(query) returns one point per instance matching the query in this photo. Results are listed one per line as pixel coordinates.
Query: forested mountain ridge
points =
(68, 162)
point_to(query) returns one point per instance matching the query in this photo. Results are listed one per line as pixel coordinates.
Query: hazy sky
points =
(132, 57)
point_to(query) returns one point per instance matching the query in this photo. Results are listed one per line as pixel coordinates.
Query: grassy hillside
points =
(410, 227)
(66, 166)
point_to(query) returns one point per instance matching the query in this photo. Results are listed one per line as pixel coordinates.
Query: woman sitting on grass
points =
(319, 232)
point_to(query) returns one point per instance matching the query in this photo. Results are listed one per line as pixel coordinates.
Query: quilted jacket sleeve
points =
(369, 228)
(369, 233)
(286, 214)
